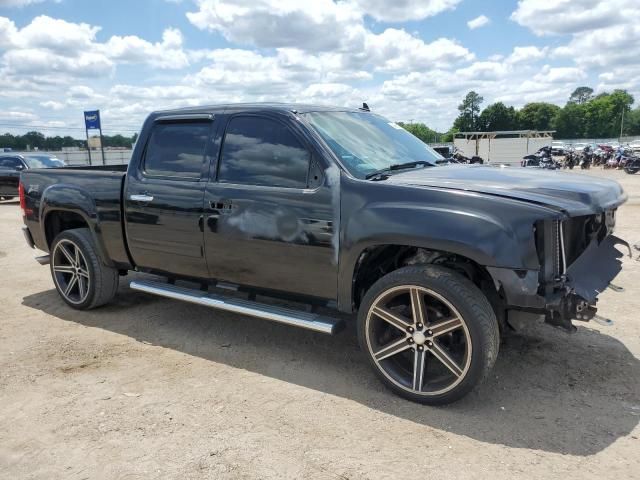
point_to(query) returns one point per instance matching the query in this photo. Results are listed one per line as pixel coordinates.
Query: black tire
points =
(479, 328)
(631, 171)
(8, 199)
(100, 281)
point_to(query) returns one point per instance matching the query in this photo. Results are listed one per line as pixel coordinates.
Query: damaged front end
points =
(580, 261)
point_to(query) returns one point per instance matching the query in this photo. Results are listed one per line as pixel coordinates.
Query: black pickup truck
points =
(338, 210)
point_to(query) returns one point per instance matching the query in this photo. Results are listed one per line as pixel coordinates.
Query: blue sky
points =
(410, 60)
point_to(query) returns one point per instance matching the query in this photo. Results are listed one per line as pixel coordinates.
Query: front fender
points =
(474, 235)
(490, 230)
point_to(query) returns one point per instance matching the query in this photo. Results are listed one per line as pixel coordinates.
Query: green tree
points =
(603, 114)
(498, 116)
(448, 137)
(538, 116)
(632, 122)
(570, 121)
(34, 139)
(581, 95)
(37, 140)
(421, 131)
(469, 109)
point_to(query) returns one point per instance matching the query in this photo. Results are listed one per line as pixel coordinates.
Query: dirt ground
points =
(152, 388)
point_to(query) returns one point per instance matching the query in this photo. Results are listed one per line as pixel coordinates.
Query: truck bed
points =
(96, 190)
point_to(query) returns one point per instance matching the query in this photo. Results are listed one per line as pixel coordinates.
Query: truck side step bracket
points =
(288, 316)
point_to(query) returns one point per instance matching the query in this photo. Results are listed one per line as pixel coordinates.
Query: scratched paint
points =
(272, 225)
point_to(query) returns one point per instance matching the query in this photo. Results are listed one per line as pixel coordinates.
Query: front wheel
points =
(430, 334)
(81, 278)
(631, 171)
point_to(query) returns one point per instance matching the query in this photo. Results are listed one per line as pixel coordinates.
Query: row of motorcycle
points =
(605, 156)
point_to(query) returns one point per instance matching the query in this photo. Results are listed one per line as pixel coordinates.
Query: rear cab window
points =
(262, 151)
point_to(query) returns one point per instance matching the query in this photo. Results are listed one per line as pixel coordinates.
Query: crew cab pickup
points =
(339, 209)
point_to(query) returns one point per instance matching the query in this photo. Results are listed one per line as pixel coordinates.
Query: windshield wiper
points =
(398, 166)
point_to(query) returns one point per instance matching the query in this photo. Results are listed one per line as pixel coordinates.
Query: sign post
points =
(92, 122)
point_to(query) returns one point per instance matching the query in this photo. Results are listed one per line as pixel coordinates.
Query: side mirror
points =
(19, 168)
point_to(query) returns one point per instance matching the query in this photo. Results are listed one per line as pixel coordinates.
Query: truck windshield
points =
(366, 143)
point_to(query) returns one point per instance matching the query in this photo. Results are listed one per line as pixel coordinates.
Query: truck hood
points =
(576, 194)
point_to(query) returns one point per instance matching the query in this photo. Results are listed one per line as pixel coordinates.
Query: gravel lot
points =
(152, 388)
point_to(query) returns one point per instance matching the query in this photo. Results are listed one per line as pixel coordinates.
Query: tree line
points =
(33, 140)
(585, 115)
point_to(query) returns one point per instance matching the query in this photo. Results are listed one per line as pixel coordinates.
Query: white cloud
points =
(167, 54)
(8, 32)
(403, 10)
(17, 115)
(19, 3)
(604, 35)
(55, 35)
(395, 50)
(560, 17)
(607, 47)
(41, 64)
(526, 54)
(478, 22)
(49, 47)
(281, 23)
(560, 75)
(53, 105)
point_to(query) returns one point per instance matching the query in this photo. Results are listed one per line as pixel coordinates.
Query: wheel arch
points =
(376, 261)
(66, 206)
(56, 221)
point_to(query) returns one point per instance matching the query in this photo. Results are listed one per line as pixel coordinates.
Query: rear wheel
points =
(7, 198)
(429, 333)
(80, 277)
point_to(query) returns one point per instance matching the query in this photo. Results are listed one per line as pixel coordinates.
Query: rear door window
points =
(262, 151)
(177, 149)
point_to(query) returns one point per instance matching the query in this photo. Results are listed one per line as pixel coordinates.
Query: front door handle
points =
(224, 207)
(141, 198)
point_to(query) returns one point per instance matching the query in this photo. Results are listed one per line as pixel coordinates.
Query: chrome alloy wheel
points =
(70, 271)
(418, 340)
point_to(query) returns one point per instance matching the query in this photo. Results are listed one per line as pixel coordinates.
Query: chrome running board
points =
(310, 321)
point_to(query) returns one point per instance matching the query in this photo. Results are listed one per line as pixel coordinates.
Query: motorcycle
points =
(585, 161)
(541, 159)
(632, 165)
(611, 163)
(570, 160)
(460, 158)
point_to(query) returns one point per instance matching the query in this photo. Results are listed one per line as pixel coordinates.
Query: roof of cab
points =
(253, 107)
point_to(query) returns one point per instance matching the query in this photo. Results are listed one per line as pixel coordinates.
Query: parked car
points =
(335, 208)
(558, 148)
(11, 165)
(635, 145)
(578, 147)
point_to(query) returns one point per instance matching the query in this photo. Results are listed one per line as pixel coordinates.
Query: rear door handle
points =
(141, 198)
